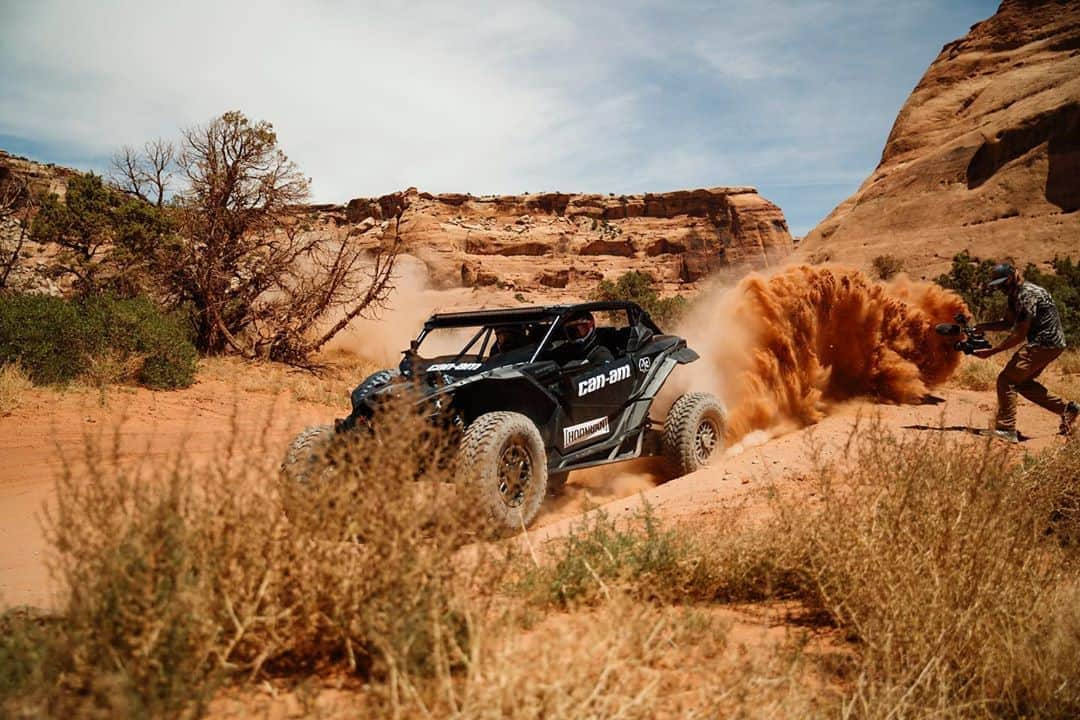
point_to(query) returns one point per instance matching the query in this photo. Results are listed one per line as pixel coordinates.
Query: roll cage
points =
(551, 316)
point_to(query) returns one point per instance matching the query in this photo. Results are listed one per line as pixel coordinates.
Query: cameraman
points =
(1034, 321)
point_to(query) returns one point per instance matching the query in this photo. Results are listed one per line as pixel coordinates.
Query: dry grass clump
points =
(179, 577)
(13, 383)
(646, 560)
(975, 374)
(329, 384)
(1069, 362)
(111, 367)
(955, 572)
(621, 659)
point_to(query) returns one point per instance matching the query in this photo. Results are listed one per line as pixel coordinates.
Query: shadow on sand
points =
(982, 432)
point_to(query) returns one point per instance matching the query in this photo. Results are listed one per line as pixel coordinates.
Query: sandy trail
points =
(49, 426)
(199, 419)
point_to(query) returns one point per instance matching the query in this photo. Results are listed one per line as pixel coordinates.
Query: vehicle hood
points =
(430, 377)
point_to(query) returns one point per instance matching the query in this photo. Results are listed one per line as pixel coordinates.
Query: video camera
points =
(971, 339)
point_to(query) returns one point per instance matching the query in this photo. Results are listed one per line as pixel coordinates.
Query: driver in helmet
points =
(513, 343)
(507, 338)
(581, 340)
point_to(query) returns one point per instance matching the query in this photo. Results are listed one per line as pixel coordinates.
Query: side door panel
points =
(595, 397)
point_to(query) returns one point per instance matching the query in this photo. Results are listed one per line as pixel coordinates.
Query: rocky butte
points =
(562, 241)
(984, 155)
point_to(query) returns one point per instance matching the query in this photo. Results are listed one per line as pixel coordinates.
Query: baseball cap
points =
(1000, 274)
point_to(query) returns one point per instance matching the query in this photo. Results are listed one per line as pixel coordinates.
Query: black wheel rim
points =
(515, 473)
(706, 440)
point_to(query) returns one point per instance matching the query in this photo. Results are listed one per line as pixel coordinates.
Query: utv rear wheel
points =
(305, 460)
(694, 431)
(502, 456)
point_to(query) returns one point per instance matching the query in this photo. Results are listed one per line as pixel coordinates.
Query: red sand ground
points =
(49, 423)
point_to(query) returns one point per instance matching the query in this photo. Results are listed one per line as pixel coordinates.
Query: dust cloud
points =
(781, 349)
(381, 337)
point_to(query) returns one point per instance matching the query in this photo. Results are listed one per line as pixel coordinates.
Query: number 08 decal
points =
(598, 382)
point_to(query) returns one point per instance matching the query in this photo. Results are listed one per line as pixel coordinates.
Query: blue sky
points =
(795, 98)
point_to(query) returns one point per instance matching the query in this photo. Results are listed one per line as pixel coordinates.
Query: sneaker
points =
(1068, 418)
(1007, 435)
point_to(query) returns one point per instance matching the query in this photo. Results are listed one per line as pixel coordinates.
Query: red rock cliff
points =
(984, 155)
(560, 239)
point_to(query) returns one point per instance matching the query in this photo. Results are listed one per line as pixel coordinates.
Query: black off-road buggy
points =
(534, 393)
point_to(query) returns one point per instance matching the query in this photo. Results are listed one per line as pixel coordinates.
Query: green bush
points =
(56, 340)
(108, 242)
(45, 335)
(1064, 285)
(137, 327)
(637, 286)
(969, 275)
(886, 266)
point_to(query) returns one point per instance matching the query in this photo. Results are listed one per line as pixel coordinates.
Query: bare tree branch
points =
(233, 244)
(145, 174)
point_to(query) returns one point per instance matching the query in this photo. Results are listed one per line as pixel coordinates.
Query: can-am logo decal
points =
(576, 434)
(449, 367)
(598, 382)
(644, 364)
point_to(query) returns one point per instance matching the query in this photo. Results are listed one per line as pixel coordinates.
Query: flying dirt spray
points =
(781, 349)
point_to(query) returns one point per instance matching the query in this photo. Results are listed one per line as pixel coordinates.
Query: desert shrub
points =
(137, 328)
(57, 340)
(638, 287)
(13, 383)
(969, 275)
(886, 266)
(600, 554)
(1064, 284)
(107, 241)
(178, 577)
(46, 335)
(950, 566)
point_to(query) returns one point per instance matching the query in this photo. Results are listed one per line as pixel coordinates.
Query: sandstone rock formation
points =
(562, 242)
(985, 154)
(24, 263)
(41, 178)
(555, 244)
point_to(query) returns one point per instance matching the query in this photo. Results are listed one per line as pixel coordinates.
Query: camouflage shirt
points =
(1034, 302)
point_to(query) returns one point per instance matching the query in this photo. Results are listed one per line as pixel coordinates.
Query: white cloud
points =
(484, 96)
(366, 100)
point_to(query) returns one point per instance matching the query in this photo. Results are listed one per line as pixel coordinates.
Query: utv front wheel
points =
(305, 460)
(694, 431)
(502, 456)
